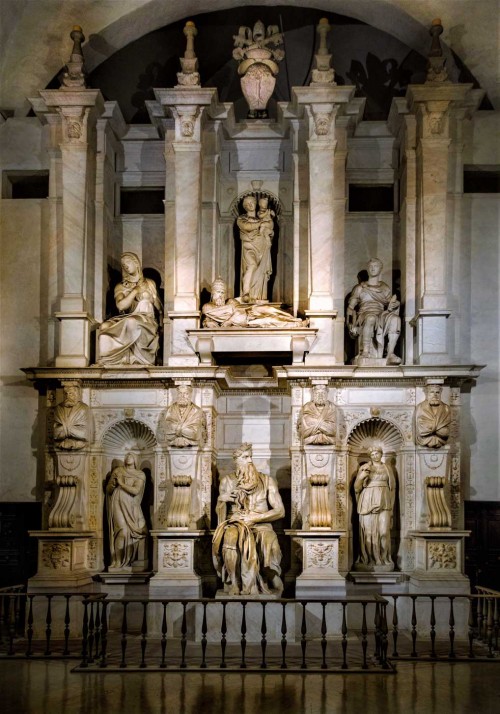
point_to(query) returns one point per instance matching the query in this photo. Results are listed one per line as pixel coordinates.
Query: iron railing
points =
(365, 634)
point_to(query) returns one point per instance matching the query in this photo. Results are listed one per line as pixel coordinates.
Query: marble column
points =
(322, 106)
(78, 109)
(187, 105)
(434, 106)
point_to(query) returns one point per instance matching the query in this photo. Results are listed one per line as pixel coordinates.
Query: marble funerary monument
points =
(296, 430)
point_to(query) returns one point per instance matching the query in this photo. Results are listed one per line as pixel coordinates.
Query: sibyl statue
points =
(127, 525)
(132, 336)
(375, 490)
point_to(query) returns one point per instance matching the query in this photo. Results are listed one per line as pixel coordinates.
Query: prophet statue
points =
(245, 547)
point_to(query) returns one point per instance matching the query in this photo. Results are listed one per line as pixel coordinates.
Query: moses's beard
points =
(247, 477)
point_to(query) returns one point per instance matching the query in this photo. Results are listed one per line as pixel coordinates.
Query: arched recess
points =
(382, 431)
(128, 435)
(236, 209)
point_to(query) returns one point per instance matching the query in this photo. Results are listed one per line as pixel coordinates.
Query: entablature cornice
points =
(282, 379)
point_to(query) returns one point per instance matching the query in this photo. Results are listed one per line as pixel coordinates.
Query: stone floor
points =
(39, 687)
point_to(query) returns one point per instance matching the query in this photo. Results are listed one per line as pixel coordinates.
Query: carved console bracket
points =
(179, 511)
(320, 514)
(62, 515)
(439, 515)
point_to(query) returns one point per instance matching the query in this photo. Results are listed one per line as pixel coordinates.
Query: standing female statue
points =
(256, 234)
(375, 489)
(132, 336)
(127, 525)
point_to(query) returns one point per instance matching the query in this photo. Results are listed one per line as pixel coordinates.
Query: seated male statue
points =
(373, 316)
(316, 422)
(245, 547)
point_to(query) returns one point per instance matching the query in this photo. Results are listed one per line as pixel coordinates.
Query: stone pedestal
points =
(320, 563)
(439, 561)
(63, 556)
(174, 556)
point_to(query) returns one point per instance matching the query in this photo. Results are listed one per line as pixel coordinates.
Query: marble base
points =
(439, 558)
(125, 577)
(238, 341)
(174, 553)
(222, 595)
(320, 575)
(62, 561)
(376, 578)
